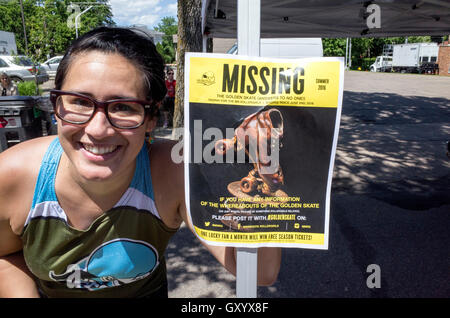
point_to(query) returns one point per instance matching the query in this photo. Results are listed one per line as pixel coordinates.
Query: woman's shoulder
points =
(167, 179)
(22, 161)
(19, 168)
(166, 157)
(164, 149)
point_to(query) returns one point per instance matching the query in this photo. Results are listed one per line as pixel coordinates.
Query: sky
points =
(146, 12)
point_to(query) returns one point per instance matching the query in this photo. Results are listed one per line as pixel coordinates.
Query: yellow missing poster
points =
(259, 147)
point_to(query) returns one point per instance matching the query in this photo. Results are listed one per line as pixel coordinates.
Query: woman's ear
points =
(153, 117)
(151, 123)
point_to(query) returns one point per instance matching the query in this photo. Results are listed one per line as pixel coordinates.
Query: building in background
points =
(156, 36)
(7, 43)
(444, 58)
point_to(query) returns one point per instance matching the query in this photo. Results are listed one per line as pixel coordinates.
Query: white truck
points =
(382, 64)
(414, 57)
(409, 58)
(288, 47)
(7, 43)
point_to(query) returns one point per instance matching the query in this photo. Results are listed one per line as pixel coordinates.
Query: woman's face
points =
(4, 81)
(96, 150)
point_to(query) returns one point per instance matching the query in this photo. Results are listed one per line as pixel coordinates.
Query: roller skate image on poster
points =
(259, 135)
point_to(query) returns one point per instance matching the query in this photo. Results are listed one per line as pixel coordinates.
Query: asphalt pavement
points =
(390, 203)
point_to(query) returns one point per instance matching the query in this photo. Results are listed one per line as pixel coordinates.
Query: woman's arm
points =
(15, 278)
(269, 258)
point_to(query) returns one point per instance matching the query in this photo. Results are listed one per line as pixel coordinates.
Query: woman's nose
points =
(99, 125)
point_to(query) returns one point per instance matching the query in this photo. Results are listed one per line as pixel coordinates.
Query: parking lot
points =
(389, 203)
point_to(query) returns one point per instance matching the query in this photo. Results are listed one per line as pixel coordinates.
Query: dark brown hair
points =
(134, 45)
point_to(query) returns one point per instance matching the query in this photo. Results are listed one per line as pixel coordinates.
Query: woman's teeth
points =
(99, 150)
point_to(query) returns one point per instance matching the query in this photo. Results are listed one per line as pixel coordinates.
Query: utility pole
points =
(23, 24)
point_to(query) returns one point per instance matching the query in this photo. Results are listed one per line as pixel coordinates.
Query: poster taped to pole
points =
(259, 147)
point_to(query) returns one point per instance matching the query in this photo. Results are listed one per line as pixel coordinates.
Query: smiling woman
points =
(92, 213)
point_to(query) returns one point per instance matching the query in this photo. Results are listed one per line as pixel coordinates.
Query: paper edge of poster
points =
(186, 142)
(324, 246)
(333, 150)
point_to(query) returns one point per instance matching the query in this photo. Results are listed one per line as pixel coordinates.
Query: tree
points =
(10, 20)
(169, 27)
(189, 40)
(50, 23)
(334, 47)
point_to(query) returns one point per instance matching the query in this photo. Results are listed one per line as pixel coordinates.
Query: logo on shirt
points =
(114, 263)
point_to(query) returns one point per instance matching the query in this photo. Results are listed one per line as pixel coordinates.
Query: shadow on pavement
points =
(393, 147)
(193, 272)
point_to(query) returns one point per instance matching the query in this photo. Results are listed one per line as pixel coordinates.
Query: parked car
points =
(51, 65)
(20, 68)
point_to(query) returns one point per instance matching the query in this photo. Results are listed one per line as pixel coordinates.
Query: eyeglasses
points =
(75, 108)
(169, 73)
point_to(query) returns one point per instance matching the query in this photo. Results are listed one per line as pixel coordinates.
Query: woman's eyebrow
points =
(109, 97)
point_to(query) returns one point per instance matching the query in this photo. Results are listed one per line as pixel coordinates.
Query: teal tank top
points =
(121, 254)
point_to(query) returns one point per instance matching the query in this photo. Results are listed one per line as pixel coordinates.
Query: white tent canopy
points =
(333, 18)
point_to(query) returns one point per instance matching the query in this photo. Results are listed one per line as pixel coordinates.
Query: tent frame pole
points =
(248, 39)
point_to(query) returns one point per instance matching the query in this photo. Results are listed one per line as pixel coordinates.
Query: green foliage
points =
(333, 47)
(49, 24)
(169, 27)
(167, 52)
(27, 89)
(365, 50)
(365, 64)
